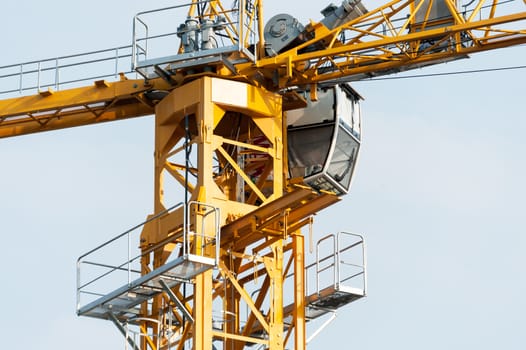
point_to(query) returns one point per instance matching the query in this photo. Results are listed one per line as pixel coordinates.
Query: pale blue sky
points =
(439, 195)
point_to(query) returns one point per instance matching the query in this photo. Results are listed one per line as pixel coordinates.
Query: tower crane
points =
(257, 129)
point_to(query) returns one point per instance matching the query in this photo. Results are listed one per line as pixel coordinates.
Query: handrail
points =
(334, 257)
(29, 75)
(337, 264)
(211, 210)
(134, 42)
(329, 257)
(67, 56)
(234, 34)
(102, 276)
(120, 267)
(131, 229)
(364, 257)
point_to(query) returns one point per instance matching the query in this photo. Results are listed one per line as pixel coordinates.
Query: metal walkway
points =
(340, 267)
(331, 299)
(219, 36)
(341, 261)
(65, 72)
(124, 303)
(225, 41)
(115, 291)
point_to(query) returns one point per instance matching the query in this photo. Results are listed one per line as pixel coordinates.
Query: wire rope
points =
(473, 71)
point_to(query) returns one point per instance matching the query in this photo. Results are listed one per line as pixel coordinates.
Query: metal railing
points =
(197, 245)
(102, 271)
(105, 271)
(159, 35)
(65, 71)
(154, 42)
(342, 265)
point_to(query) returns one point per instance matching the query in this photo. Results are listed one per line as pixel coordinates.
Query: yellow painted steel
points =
(368, 52)
(234, 120)
(299, 291)
(76, 107)
(278, 209)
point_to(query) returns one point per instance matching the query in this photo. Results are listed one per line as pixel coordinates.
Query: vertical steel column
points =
(207, 102)
(298, 243)
(203, 288)
(275, 272)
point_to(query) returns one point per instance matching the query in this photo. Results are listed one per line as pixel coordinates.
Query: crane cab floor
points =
(124, 302)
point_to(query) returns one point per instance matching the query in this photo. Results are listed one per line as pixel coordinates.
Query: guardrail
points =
(101, 271)
(66, 71)
(192, 34)
(340, 264)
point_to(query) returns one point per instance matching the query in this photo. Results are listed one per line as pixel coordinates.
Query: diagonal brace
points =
(121, 328)
(176, 300)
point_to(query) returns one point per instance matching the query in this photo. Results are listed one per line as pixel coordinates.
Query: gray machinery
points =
(200, 35)
(284, 31)
(324, 138)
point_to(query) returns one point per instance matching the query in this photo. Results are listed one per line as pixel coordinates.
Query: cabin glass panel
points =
(324, 139)
(309, 149)
(343, 158)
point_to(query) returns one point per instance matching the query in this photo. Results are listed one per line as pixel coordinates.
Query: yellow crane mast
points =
(256, 131)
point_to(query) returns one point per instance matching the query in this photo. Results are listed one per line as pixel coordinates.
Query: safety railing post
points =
(209, 210)
(318, 260)
(57, 76)
(361, 265)
(337, 260)
(318, 271)
(242, 14)
(129, 259)
(78, 285)
(38, 75)
(20, 78)
(185, 226)
(146, 31)
(136, 39)
(116, 62)
(134, 44)
(364, 257)
(126, 267)
(218, 233)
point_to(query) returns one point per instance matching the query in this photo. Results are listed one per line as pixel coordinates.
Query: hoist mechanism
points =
(283, 31)
(256, 130)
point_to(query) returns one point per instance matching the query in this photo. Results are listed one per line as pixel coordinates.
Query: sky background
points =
(439, 195)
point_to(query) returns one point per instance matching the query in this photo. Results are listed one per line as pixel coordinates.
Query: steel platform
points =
(330, 299)
(124, 302)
